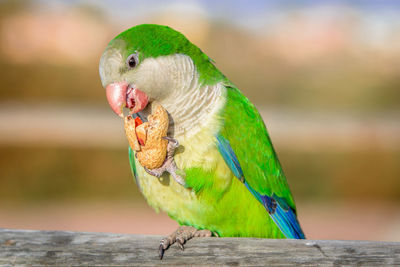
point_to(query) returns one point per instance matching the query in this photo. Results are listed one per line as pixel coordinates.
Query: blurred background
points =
(325, 76)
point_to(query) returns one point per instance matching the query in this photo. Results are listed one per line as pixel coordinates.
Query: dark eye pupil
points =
(132, 62)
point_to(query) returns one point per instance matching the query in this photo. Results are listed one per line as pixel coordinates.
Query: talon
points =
(180, 243)
(161, 251)
(181, 246)
(152, 172)
(163, 247)
(172, 140)
(167, 138)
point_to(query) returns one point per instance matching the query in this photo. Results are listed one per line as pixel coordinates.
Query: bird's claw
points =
(171, 140)
(169, 164)
(164, 245)
(161, 250)
(180, 236)
(155, 172)
(180, 241)
(181, 246)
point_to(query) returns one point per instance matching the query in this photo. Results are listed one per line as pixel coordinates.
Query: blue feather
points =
(229, 156)
(285, 219)
(280, 212)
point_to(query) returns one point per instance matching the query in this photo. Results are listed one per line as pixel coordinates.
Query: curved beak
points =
(116, 96)
(122, 94)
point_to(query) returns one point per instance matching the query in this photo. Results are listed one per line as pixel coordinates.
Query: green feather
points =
(230, 211)
(249, 139)
(152, 41)
(133, 166)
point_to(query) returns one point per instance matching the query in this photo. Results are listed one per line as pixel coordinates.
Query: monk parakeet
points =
(231, 183)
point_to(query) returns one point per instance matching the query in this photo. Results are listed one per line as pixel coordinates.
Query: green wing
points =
(245, 130)
(247, 149)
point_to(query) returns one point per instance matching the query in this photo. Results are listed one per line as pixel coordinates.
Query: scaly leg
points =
(180, 236)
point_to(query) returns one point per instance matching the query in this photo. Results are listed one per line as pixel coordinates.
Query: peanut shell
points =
(153, 153)
(129, 125)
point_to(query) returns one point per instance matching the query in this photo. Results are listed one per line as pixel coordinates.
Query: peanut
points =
(154, 149)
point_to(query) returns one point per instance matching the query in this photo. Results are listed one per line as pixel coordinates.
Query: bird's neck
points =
(191, 105)
(191, 111)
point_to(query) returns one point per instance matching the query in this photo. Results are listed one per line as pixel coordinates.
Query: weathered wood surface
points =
(25, 247)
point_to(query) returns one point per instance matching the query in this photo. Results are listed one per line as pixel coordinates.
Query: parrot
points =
(231, 181)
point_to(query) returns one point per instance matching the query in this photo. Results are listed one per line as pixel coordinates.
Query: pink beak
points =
(120, 95)
(116, 96)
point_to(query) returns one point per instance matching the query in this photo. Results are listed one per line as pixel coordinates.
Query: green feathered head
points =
(149, 62)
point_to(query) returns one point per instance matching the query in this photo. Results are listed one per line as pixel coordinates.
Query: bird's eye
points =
(132, 61)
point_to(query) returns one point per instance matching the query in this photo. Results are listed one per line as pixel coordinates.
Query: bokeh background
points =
(325, 76)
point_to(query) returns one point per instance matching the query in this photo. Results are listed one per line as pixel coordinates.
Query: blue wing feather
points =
(280, 212)
(229, 156)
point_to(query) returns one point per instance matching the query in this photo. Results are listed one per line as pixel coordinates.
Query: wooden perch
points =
(25, 247)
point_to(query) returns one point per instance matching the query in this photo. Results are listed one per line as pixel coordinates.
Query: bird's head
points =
(135, 68)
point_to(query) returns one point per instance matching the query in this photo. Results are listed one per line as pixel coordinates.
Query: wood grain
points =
(28, 247)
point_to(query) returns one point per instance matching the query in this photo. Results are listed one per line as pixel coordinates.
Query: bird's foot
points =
(169, 164)
(172, 145)
(155, 172)
(180, 236)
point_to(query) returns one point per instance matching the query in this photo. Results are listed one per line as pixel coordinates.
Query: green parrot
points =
(226, 180)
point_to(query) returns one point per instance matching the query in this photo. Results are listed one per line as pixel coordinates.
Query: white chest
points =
(197, 149)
